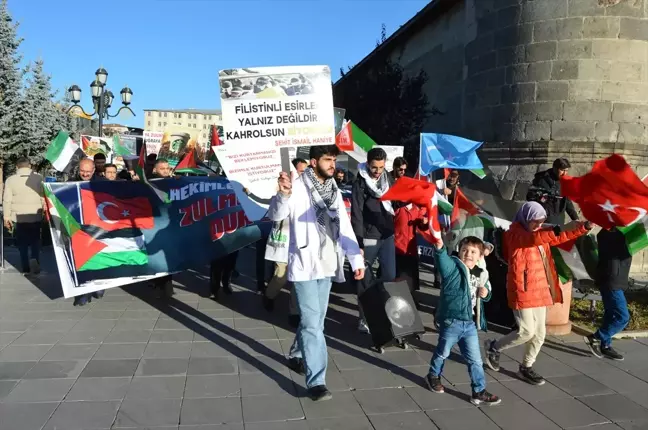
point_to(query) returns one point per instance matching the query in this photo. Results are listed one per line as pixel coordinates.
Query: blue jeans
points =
(615, 316)
(310, 344)
(28, 237)
(465, 333)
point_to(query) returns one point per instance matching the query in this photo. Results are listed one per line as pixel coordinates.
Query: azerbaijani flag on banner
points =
(63, 153)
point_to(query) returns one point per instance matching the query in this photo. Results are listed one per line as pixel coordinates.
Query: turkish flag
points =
(344, 139)
(110, 213)
(215, 138)
(420, 193)
(610, 195)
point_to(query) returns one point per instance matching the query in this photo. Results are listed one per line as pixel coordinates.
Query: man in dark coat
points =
(549, 182)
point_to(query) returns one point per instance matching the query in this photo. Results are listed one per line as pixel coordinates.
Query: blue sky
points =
(169, 51)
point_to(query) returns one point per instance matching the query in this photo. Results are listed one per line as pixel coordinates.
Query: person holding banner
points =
(320, 237)
(161, 170)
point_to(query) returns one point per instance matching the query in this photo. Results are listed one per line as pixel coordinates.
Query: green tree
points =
(10, 83)
(388, 104)
(38, 117)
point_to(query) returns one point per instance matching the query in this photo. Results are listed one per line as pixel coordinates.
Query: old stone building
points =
(534, 79)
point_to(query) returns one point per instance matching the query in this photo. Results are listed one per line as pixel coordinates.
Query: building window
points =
(194, 126)
(149, 123)
(165, 114)
(204, 126)
(149, 114)
(165, 124)
(204, 135)
(159, 124)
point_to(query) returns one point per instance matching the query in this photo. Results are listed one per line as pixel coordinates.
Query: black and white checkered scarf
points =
(325, 201)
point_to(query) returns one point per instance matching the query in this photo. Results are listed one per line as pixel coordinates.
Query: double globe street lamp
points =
(102, 98)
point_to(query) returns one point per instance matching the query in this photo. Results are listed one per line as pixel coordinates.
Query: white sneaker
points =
(34, 267)
(363, 327)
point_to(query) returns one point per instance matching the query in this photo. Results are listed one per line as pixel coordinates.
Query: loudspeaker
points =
(390, 312)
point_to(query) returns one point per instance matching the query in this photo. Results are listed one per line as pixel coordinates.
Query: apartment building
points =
(199, 119)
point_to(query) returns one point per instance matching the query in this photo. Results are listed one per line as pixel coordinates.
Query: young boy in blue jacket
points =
(462, 281)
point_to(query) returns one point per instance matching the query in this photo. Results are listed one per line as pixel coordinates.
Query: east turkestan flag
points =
(440, 151)
(63, 153)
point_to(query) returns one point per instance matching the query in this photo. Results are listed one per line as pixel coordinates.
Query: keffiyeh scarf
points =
(324, 199)
(376, 188)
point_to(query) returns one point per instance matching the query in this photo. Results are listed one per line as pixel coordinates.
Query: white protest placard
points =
(264, 110)
(153, 141)
(392, 151)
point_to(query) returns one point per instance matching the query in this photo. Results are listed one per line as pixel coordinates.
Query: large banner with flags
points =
(264, 110)
(108, 234)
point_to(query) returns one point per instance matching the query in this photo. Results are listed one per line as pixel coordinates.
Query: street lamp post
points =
(101, 98)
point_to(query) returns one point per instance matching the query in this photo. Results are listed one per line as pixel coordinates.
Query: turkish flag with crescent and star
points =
(610, 195)
(110, 213)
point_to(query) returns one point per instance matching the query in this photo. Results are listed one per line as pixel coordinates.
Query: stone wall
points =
(536, 80)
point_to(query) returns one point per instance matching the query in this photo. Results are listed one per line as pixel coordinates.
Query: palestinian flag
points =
(140, 170)
(362, 143)
(188, 164)
(636, 235)
(464, 210)
(63, 153)
(480, 173)
(576, 259)
(125, 247)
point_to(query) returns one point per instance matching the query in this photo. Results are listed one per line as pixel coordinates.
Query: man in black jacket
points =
(372, 219)
(161, 170)
(549, 182)
(612, 275)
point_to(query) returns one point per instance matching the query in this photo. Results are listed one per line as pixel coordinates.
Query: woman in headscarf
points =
(532, 283)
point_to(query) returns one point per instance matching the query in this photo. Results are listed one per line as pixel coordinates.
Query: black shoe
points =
(609, 352)
(82, 300)
(594, 345)
(268, 303)
(492, 355)
(214, 291)
(319, 393)
(296, 364)
(434, 384)
(293, 321)
(530, 376)
(98, 294)
(485, 398)
(228, 289)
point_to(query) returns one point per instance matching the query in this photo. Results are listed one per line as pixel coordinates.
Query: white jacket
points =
(304, 259)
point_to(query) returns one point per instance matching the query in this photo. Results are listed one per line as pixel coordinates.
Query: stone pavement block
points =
(162, 367)
(473, 418)
(352, 362)
(615, 378)
(71, 352)
(83, 415)
(168, 350)
(169, 324)
(120, 351)
(386, 400)
(405, 421)
(533, 394)
(616, 407)
(277, 425)
(255, 384)
(161, 336)
(224, 410)
(362, 379)
(40, 390)
(6, 387)
(129, 336)
(98, 314)
(266, 333)
(451, 399)
(633, 425)
(56, 369)
(401, 358)
(213, 366)
(25, 416)
(509, 415)
(99, 389)
(209, 349)
(84, 336)
(92, 325)
(15, 370)
(263, 364)
(569, 413)
(343, 404)
(137, 314)
(212, 386)
(23, 352)
(156, 387)
(271, 408)
(261, 347)
(62, 325)
(109, 368)
(148, 413)
(580, 385)
(132, 324)
(246, 323)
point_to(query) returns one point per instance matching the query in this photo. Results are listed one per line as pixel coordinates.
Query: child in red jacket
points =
(407, 220)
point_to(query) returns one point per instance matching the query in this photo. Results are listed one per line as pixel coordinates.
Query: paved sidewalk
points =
(132, 361)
